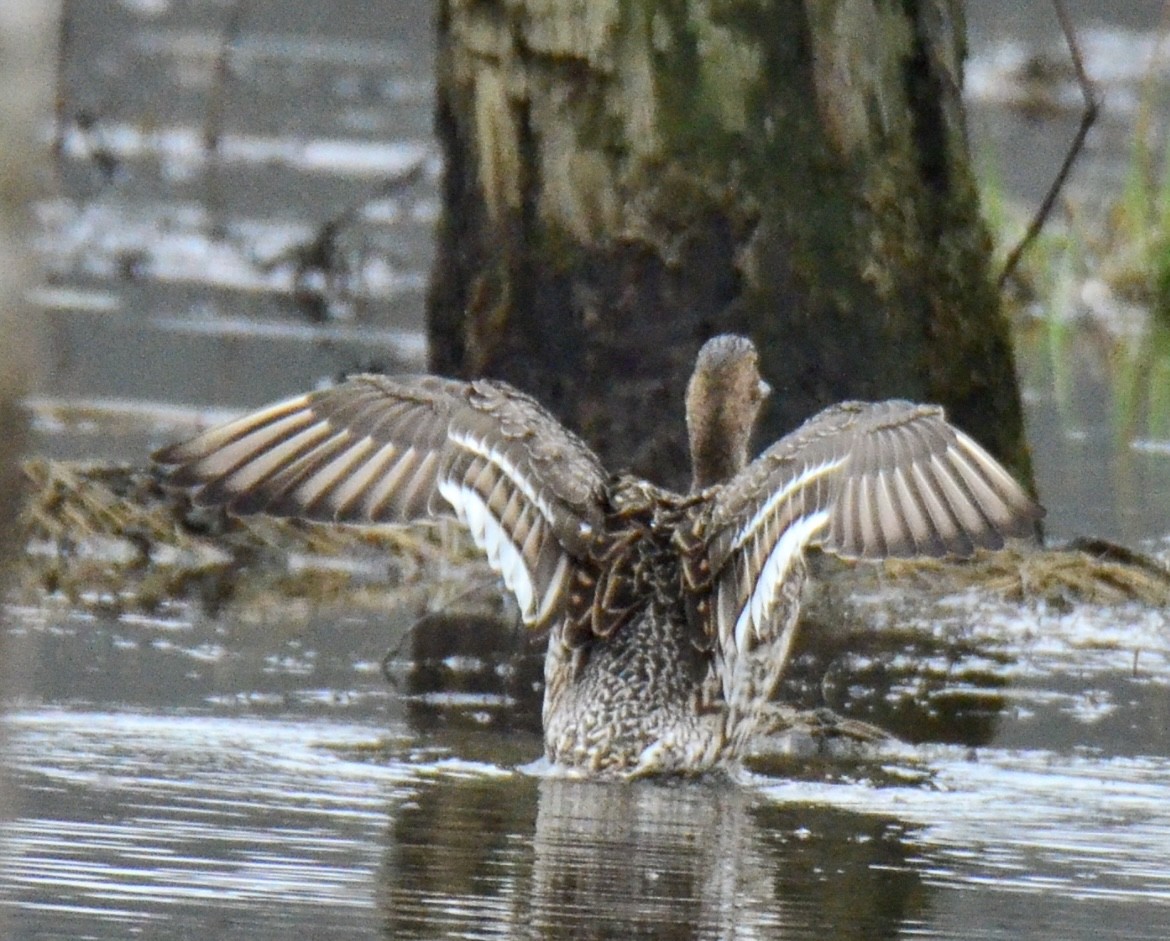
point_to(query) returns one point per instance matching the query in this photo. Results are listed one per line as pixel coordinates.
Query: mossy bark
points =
(627, 177)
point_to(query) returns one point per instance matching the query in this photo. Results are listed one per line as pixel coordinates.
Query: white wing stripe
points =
(385, 488)
(324, 478)
(993, 503)
(554, 589)
(954, 491)
(487, 533)
(921, 529)
(282, 460)
(361, 478)
(940, 514)
(893, 530)
(497, 458)
(987, 464)
(218, 458)
(808, 475)
(787, 548)
(413, 498)
(870, 532)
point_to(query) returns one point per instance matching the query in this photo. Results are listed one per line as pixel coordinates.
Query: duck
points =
(669, 616)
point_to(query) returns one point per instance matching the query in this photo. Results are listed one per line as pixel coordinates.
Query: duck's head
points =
(724, 398)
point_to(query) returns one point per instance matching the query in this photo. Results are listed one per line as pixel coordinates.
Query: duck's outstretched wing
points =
(377, 449)
(861, 480)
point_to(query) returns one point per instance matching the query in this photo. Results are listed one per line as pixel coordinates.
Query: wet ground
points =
(216, 766)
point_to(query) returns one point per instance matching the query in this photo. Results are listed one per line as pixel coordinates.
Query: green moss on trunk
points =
(626, 178)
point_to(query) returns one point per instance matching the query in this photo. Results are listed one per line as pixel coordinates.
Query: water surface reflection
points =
(161, 824)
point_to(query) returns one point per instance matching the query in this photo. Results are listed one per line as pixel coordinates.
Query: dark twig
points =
(220, 78)
(1088, 117)
(64, 51)
(213, 119)
(70, 116)
(320, 274)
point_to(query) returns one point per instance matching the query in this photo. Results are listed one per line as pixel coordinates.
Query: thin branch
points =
(64, 51)
(220, 78)
(1088, 118)
(213, 118)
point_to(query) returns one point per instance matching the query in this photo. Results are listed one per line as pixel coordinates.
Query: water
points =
(185, 773)
(248, 770)
(147, 825)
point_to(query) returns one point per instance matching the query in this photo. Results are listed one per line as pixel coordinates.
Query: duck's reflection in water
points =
(557, 858)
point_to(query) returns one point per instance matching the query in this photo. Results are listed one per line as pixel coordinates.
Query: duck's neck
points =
(716, 457)
(720, 425)
(723, 402)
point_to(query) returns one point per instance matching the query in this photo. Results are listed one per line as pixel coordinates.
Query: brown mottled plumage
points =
(670, 616)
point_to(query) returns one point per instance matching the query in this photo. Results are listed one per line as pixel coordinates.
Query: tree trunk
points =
(625, 179)
(26, 75)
